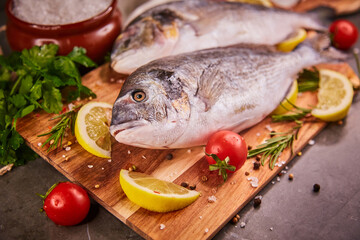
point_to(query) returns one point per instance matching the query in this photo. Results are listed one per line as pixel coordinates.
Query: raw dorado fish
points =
(185, 26)
(179, 101)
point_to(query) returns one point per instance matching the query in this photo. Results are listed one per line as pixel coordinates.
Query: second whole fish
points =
(179, 101)
(188, 25)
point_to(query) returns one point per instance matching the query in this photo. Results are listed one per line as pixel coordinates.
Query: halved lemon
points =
(285, 106)
(334, 97)
(92, 128)
(289, 44)
(154, 194)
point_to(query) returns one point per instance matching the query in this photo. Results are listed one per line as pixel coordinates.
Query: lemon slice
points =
(154, 194)
(334, 97)
(285, 106)
(92, 128)
(289, 44)
(266, 3)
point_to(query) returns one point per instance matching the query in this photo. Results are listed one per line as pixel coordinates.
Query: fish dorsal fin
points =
(210, 85)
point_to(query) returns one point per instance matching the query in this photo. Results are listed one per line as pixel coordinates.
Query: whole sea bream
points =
(184, 26)
(179, 101)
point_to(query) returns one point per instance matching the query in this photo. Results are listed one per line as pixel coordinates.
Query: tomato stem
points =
(221, 165)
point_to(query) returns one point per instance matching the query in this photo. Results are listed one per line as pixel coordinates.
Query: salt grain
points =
(273, 182)
(129, 152)
(102, 168)
(63, 156)
(71, 106)
(268, 127)
(189, 151)
(67, 148)
(143, 157)
(200, 217)
(206, 230)
(39, 144)
(90, 166)
(286, 167)
(242, 224)
(311, 142)
(109, 160)
(271, 228)
(212, 199)
(258, 134)
(278, 179)
(162, 226)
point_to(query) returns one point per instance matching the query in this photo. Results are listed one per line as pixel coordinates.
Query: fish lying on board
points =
(179, 101)
(184, 26)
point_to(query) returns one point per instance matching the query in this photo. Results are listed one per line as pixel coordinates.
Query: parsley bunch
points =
(34, 79)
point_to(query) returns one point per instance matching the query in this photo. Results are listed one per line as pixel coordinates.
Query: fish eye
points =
(138, 96)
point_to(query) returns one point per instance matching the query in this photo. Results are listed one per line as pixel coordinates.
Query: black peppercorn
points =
(169, 156)
(316, 187)
(184, 184)
(257, 202)
(256, 165)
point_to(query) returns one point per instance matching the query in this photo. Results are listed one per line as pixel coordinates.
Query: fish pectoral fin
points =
(210, 86)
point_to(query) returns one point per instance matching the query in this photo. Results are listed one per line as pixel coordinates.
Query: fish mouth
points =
(115, 130)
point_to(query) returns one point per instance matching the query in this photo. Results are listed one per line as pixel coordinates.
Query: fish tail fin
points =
(321, 43)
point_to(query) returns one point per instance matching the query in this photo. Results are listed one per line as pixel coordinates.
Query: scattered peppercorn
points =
(272, 133)
(249, 147)
(291, 176)
(192, 187)
(316, 187)
(235, 219)
(247, 173)
(184, 184)
(257, 202)
(257, 158)
(256, 165)
(169, 156)
(204, 178)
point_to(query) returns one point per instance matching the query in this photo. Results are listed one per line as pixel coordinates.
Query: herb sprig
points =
(308, 80)
(297, 113)
(57, 132)
(34, 79)
(273, 147)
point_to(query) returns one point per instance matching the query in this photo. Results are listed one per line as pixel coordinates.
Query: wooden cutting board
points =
(200, 220)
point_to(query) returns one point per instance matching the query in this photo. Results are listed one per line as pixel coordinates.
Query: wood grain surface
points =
(200, 220)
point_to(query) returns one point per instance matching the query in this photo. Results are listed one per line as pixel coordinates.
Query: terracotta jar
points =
(96, 34)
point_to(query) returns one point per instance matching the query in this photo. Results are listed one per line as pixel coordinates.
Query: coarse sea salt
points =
(162, 226)
(311, 142)
(58, 12)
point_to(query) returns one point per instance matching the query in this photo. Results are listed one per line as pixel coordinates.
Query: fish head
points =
(144, 40)
(151, 111)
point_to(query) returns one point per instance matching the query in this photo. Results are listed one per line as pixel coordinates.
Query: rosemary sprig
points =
(57, 132)
(273, 147)
(308, 80)
(297, 114)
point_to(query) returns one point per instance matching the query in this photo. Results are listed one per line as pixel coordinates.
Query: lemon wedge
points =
(154, 194)
(266, 3)
(92, 128)
(334, 97)
(289, 44)
(285, 106)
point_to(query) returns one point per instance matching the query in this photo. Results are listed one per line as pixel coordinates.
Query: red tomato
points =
(226, 144)
(344, 34)
(66, 204)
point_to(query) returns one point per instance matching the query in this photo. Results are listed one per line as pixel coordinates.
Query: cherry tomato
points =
(66, 204)
(225, 144)
(344, 34)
